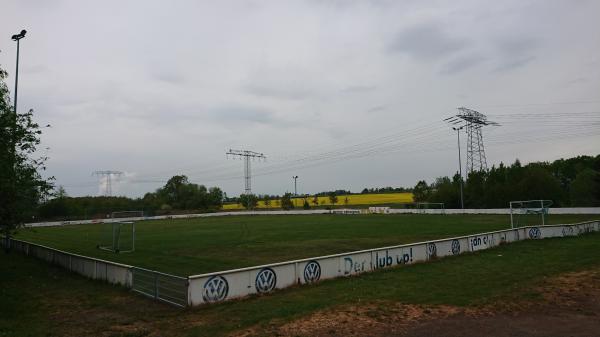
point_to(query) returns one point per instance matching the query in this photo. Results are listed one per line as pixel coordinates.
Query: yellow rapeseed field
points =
(343, 200)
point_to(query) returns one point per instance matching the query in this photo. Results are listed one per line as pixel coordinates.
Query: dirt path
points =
(570, 307)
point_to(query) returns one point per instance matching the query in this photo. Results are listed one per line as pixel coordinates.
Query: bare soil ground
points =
(569, 306)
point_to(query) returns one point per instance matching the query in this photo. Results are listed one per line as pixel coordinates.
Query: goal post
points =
(423, 206)
(118, 237)
(118, 234)
(525, 210)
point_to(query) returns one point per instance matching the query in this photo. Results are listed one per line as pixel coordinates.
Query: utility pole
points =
(248, 156)
(462, 200)
(107, 175)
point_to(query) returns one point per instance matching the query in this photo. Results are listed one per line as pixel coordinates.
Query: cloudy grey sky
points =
(344, 94)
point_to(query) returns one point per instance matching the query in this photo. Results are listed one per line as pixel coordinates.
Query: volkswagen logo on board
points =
(312, 272)
(266, 280)
(215, 289)
(535, 233)
(455, 247)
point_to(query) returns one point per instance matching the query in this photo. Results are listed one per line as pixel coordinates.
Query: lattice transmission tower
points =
(107, 175)
(248, 156)
(473, 121)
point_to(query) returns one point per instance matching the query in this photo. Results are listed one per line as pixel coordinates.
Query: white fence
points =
(160, 286)
(382, 210)
(231, 284)
(221, 286)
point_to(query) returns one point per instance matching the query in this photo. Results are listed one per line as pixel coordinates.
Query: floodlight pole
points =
(462, 201)
(295, 185)
(17, 37)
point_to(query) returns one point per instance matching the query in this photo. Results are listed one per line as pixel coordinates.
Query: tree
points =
(538, 183)
(249, 201)
(286, 201)
(267, 200)
(306, 205)
(22, 187)
(421, 191)
(585, 189)
(333, 199)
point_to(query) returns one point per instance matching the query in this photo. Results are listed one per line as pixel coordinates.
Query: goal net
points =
(528, 212)
(422, 207)
(118, 235)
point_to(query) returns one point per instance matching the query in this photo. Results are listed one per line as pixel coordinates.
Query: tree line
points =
(178, 194)
(571, 182)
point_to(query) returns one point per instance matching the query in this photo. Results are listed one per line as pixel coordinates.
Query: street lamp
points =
(17, 37)
(295, 185)
(295, 189)
(462, 202)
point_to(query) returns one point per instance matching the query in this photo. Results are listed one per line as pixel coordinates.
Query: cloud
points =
(512, 64)
(376, 108)
(172, 77)
(515, 52)
(242, 114)
(353, 89)
(461, 63)
(289, 90)
(426, 41)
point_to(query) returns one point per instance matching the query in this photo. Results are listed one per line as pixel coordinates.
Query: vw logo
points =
(265, 280)
(535, 233)
(455, 247)
(215, 289)
(431, 250)
(312, 272)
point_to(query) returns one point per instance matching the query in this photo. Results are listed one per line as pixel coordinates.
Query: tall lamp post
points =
(17, 37)
(295, 188)
(462, 202)
(295, 185)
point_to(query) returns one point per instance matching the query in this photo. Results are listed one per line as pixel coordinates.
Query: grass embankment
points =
(42, 300)
(193, 246)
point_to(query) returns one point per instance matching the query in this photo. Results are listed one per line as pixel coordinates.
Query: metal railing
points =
(160, 286)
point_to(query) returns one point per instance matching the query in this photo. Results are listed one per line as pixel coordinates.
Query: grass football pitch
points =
(194, 246)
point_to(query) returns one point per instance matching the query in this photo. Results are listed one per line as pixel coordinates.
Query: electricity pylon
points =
(108, 174)
(473, 121)
(248, 157)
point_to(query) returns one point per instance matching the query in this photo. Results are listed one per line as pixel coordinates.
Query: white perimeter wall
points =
(575, 210)
(221, 286)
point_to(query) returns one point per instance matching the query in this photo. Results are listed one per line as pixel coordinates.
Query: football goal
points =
(528, 212)
(118, 235)
(422, 207)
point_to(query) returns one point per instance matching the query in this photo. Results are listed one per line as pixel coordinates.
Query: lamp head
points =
(19, 36)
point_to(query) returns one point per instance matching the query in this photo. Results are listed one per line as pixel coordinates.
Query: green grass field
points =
(193, 246)
(43, 300)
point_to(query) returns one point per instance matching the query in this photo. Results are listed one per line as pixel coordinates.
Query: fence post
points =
(155, 286)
